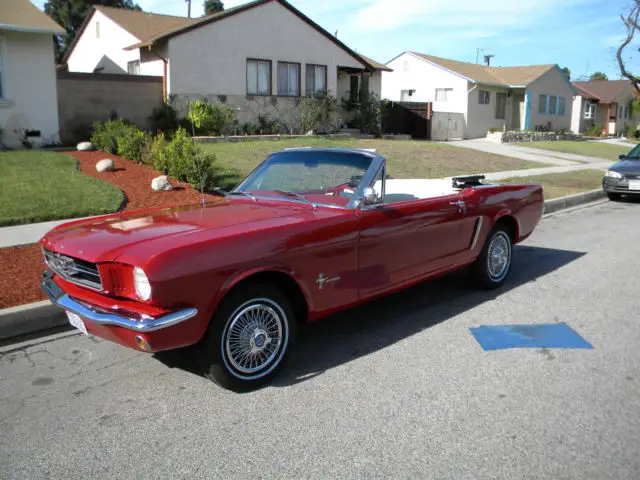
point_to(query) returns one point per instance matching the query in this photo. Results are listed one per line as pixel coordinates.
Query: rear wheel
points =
(248, 338)
(614, 197)
(494, 262)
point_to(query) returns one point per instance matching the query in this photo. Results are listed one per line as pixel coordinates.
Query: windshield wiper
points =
(296, 195)
(225, 193)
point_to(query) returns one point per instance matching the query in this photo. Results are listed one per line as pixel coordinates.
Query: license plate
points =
(77, 322)
(634, 185)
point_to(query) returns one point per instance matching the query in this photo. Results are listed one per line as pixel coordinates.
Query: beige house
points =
(605, 103)
(482, 97)
(28, 99)
(259, 58)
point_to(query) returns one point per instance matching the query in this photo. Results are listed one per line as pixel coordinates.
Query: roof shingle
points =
(23, 15)
(605, 90)
(505, 76)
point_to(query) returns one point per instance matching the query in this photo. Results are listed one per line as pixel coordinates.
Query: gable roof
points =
(22, 15)
(503, 76)
(604, 90)
(215, 17)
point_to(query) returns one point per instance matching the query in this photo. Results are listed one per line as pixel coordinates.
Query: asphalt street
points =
(398, 388)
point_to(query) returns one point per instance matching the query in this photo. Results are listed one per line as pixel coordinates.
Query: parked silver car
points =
(623, 177)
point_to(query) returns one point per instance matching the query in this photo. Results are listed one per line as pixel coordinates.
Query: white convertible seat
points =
(400, 189)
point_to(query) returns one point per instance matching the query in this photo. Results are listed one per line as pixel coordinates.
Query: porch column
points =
(527, 110)
(606, 120)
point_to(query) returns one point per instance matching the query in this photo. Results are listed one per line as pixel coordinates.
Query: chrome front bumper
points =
(88, 312)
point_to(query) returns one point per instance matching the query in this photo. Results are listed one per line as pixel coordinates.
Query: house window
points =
(553, 104)
(258, 77)
(97, 29)
(589, 110)
(562, 106)
(353, 88)
(614, 109)
(624, 111)
(542, 104)
(289, 79)
(443, 94)
(133, 68)
(484, 97)
(405, 95)
(501, 105)
(316, 79)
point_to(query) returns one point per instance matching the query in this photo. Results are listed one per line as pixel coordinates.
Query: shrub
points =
(494, 130)
(265, 126)
(152, 151)
(105, 134)
(165, 117)
(182, 159)
(594, 131)
(211, 119)
(130, 143)
(632, 131)
(320, 114)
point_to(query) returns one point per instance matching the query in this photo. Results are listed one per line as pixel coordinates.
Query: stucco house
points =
(28, 98)
(606, 103)
(259, 58)
(511, 98)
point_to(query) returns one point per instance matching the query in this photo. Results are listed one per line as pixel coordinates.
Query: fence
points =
(447, 126)
(84, 98)
(412, 118)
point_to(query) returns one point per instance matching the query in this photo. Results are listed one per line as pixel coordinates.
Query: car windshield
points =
(634, 153)
(318, 176)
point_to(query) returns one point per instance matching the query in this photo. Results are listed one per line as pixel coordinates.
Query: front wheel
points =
(492, 265)
(614, 197)
(248, 338)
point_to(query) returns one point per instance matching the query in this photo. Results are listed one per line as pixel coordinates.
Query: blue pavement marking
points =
(555, 335)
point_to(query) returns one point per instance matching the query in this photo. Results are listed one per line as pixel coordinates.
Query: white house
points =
(28, 98)
(482, 97)
(606, 103)
(259, 58)
(102, 38)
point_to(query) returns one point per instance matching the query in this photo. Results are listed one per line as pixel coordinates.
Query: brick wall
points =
(84, 98)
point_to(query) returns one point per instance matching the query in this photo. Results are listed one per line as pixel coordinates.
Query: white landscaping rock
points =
(161, 183)
(85, 146)
(105, 165)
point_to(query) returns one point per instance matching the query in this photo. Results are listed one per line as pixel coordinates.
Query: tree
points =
(630, 22)
(598, 76)
(567, 72)
(213, 6)
(71, 13)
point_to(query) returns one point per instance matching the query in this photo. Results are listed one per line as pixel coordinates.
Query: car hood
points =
(626, 166)
(106, 238)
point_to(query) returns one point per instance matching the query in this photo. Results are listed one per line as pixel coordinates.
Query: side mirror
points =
(369, 196)
(621, 156)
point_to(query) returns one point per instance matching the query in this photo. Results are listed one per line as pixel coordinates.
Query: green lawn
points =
(406, 159)
(562, 184)
(36, 186)
(590, 149)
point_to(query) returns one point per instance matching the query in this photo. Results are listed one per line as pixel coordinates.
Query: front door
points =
(404, 240)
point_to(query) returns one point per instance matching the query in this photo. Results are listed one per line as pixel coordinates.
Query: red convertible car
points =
(307, 233)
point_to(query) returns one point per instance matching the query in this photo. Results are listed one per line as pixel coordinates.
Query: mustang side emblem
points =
(322, 279)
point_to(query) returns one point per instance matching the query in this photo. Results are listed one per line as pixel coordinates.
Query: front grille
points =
(631, 176)
(73, 269)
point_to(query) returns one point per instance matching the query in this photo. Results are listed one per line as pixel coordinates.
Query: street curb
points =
(40, 316)
(30, 318)
(569, 201)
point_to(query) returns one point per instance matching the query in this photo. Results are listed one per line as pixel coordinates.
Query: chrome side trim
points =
(476, 234)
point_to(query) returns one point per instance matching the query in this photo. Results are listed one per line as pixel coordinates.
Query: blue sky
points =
(579, 34)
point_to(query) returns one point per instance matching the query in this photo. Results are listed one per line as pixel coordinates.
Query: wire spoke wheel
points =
(255, 338)
(498, 256)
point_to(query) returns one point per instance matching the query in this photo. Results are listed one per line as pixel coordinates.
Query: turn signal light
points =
(143, 344)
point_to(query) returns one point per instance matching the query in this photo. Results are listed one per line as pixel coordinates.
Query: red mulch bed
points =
(21, 267)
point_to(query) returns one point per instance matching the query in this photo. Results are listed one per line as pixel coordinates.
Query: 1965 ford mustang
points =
(307, 233)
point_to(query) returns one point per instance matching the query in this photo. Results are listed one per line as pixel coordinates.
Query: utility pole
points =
(188, 8)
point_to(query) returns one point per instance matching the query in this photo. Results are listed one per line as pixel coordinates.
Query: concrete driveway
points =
(398, 388)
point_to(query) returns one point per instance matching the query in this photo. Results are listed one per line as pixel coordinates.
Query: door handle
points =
(462, 207)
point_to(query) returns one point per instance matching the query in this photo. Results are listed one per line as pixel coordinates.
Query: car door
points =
(401, 241)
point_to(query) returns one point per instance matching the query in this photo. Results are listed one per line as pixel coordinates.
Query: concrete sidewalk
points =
(615, 141)
(542, 171)
(527, 153)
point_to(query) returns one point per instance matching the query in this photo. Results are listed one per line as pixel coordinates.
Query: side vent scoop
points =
(468, 181)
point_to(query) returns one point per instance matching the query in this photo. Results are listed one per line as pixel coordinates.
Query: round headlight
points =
(141, 282)
(613, 174)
